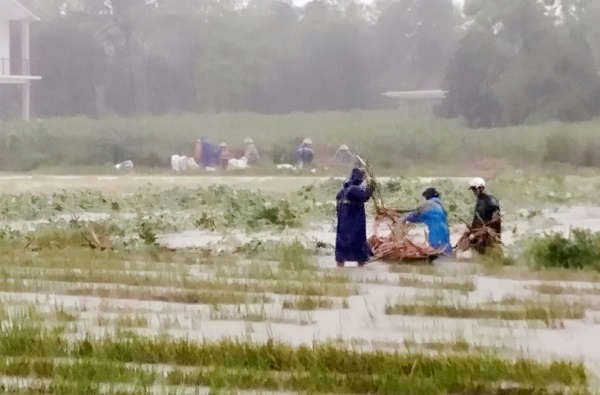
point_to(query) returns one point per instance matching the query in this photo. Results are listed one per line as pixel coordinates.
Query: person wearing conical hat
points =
(250, 151)
(224, 155)
(344, 157)
(304, 154)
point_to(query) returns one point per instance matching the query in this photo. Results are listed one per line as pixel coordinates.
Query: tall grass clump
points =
(274, 366)
(580, 249)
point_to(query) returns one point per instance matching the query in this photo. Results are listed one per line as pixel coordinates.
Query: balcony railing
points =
(14, 66)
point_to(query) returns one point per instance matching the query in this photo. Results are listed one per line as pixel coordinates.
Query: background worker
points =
(207, 153)
(251, 152)
(344, 157)
(435, 217)
(304, 154)
(224, 155)
(487, 214)
(351, 238)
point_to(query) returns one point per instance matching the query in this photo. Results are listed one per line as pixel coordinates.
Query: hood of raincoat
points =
(356, 177)
(431, 193)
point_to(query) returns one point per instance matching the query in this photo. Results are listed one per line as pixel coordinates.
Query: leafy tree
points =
(521, 61)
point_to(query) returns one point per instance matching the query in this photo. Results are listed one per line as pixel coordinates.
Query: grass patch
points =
(273, 366)
(191, 296)
(267, 271)
(553, 289)
(579, 250)
(415, 282)
(306, 303)
(511, 310)
(123, 321)
(184, 281)
(395, 139)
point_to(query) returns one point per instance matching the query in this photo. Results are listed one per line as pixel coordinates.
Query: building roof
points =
(416, 95)
(14, 10)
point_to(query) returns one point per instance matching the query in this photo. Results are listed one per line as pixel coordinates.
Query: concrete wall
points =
(4, 46)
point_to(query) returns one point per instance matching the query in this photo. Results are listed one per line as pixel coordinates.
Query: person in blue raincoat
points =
(209, 153)
(351, 239)
(304, 154)
(434, 216)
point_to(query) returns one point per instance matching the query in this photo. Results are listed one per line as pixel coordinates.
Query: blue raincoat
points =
(351, 240)
(433, 214)
(210, 153)
(304, 154)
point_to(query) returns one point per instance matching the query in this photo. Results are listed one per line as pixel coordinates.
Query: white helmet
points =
(477, 182)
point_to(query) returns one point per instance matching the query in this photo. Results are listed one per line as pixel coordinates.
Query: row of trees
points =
(503, 62)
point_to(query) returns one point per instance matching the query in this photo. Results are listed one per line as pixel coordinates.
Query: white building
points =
(15, 67)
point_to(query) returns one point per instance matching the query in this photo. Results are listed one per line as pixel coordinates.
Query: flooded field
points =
(151, 285)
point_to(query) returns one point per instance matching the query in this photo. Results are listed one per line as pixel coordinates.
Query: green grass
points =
(181, 295)
(553, 289)
(307, 303)
(414, 282)
(513, 310)
(30, 351)
(579, 250)
(391, 139)
(104, 281)
(266, 271)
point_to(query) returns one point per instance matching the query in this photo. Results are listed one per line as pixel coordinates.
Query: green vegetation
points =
(579, 250)
(415, 282)
(394, 141)
(28, 351)
(308, 303)
(156, 209)
(513, 310)
(553, 289)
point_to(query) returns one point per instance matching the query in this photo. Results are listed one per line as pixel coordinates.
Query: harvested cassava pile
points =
(397, 245)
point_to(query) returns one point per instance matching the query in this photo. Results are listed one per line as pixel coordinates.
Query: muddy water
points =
(365, 320)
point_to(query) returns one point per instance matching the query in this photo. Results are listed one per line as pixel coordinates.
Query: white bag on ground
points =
(237, 164)
(175, 163)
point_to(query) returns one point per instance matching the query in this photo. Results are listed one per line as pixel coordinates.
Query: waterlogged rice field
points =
(213, 285)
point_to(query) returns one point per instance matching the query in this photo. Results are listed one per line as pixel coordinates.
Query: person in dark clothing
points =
(304, 154)
(487, 212)
(351, 240)
(209, 153)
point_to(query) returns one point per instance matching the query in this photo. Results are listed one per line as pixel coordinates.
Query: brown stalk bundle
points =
(479, 239)
(397, 245)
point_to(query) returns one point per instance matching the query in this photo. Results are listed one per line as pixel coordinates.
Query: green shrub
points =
(579, 250)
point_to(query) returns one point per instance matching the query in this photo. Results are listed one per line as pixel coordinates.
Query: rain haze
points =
(299, 196)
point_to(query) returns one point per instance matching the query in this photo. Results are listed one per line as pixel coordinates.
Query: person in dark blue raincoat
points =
(209, 153)
(304, 154)
(351, 240)
(433, 214)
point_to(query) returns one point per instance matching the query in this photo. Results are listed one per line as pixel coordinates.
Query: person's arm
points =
(358, 194)
(415, 216)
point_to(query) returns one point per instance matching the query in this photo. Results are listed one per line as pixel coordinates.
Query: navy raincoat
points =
(210, 153)
(304, 154)
(351, 240)
(433, 214)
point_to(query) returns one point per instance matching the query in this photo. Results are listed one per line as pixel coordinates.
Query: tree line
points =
(502, 62)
